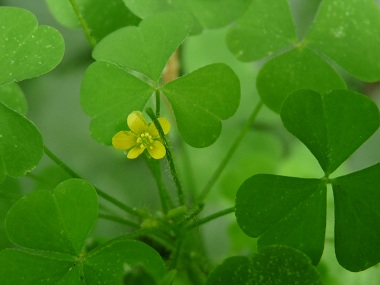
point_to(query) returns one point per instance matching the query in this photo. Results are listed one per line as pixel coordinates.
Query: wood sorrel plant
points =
(48, 235)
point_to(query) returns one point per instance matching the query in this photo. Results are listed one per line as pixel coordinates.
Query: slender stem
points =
(60, 163)
(102, 194)
(152, 233)
(176, 253)
(211, 217)
(169, 156)
(155, 167)
(158, 103)
(230, 153)
(83, 23)
(118, 220)
(192, 215)
(118, 204)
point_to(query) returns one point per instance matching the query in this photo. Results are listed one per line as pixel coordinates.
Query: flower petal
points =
(124, 140)
(135, 152)
(165, 125)
(137, 123)
(157, 150)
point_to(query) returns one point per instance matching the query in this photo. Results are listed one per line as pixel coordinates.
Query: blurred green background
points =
(54, 106)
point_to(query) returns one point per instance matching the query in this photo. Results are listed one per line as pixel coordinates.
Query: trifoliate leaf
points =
(102, 16)
(13, 97)
(299, 68)
(347, 31)
(357, 218)
(56, 221)
(206, 14)
(146, 48)
(332, 125)
(110, 263)
(284, 210)
(50, 230)
(21, 145)
(109, 95)
(27, 50)
(201, 99)
(265, 28)
(273, 265)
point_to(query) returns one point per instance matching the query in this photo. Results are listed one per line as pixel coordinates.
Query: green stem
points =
(158, 103)
(118, 220)
(176, 254)
(102, 194)
(211, 217)
(155, 167)
(83, 23)
(230, 153)
(169, 156)
(192, 215)
(154, 234)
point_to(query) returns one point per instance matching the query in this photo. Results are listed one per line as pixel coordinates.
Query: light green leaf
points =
(332, 125)
(108, 95)
(357, 218)
(109, 263)
(265, 28)
(284, 210)
(206, 14)
(273, 265)
(347, 31)
(146, 48)
(201, 99)
(21, 145)
(101, 16)
(13, 97)
(299, 68)
(26, 50)
(57, 221)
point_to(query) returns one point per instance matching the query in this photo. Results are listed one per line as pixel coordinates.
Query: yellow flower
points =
(141, 136)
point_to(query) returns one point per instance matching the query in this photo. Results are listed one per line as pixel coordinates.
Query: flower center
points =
(145, 139)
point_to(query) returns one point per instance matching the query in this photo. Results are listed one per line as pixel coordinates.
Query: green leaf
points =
(284, 265)
(109, 95)
(347, 31)
(56, 221)
(21, 267)
(13, 97)
(233, 270)
(10, 192)
(299, 68)
(206, 14)
(273, 265)
(50, 229)
(26, 50)
(101, 16)
(146, 48)
(357, 218)
(109, 263)
(284, 210)
(265, 28)
(332, 125)
(21, 146)
(201, 99)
